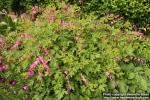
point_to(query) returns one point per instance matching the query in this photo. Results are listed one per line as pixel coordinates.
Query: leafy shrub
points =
(12, 5)
(86, 57)
(136, 11)
(7, 25)
(5, 4)
(20, 6)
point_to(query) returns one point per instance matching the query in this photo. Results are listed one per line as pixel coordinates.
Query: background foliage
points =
(137, 11)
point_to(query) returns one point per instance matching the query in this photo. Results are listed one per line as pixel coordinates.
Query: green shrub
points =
(20, 6)
(5, 4)
(7, 25)
(136, 11)
(86, 58)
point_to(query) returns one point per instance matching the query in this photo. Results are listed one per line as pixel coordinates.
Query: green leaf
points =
(3, 96)
(74, 97)
(122, 86)
(131, 75)
(143, 84)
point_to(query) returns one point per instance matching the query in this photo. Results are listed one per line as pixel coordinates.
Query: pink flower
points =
(13, 82)
(64, 24)
(15, 46)
(26, 36)
(44, 63)
(33, 10)
(117, 16)
(2, 41)
(1, 59)
(139, 33)
(30, 73)
(40, 73)
(32, 67)
(2, 79)
(2, 68)
(34, 64)
(110, 77)
(94, 28)
(85, 81)
(45, 51)
(25, 88)
(68, 86)
(107, 73)
(148, 28)
(51, 19)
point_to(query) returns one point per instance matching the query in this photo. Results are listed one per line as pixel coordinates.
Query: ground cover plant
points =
(66, 54)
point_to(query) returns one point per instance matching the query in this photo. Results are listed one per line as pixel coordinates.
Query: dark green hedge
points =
(138, 11)
(20, 6)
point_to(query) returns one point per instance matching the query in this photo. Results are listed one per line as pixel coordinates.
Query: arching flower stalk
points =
(44, 63)
(66, 74)
(148, 28)
(68, 86)
(45, 50)
(26, 36)
(40, 73)
(34, 10)
(35, 63)
(16, 45)
(64, 24)
(85, 81)
(2, 42)
(107, 73)
(32, 67)
(1, 59)
(2, 68)
(140, 34)
(2, 79)
(51, 16)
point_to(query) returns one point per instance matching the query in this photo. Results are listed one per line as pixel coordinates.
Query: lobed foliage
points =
(86, 57)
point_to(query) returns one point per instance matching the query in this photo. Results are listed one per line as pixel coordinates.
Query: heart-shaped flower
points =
(2, 68)
(13, 82)
(25, 87)
(2, 79)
